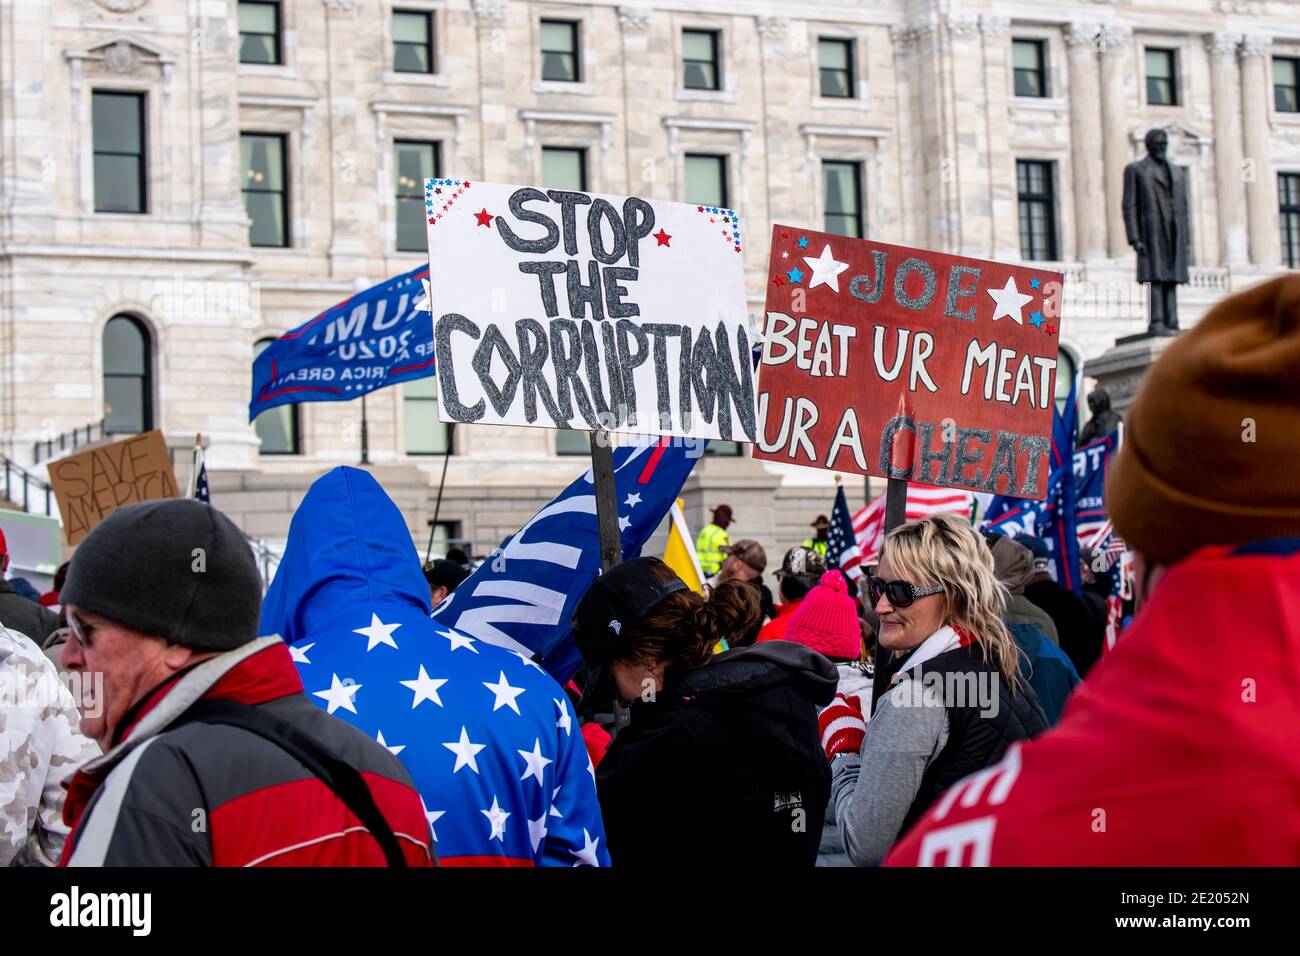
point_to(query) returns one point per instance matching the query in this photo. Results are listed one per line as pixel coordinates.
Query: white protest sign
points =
(582, 310)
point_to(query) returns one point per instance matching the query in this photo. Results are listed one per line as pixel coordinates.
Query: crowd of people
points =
(954, 705)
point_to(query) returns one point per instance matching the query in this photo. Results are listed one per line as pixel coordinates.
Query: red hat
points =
(827, 620)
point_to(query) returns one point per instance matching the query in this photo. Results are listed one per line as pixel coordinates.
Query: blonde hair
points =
(944, 550)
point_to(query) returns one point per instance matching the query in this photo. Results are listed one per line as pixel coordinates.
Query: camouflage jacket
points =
(41, 746)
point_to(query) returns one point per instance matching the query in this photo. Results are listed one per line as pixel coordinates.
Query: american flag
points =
(922, 501)
(842, 549)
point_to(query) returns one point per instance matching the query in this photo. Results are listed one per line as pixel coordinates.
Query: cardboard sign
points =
(898, 362)
(92, 484)
(579, 310)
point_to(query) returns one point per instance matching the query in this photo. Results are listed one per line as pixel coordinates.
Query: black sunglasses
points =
(900, 593)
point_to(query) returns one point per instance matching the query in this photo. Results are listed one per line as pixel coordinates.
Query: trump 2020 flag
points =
(523, 596)
(1053, 518)
(382, 336)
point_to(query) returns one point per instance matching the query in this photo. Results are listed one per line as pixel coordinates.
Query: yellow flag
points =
(680, 552)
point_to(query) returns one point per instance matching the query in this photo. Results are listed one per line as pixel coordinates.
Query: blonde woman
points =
(957, 699)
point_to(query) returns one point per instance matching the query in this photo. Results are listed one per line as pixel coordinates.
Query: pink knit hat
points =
(827, 620)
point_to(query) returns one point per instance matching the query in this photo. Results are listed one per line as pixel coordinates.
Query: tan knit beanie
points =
(1211, 450)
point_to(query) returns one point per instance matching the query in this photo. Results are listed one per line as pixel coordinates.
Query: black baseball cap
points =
(443, 573)
(618, 600)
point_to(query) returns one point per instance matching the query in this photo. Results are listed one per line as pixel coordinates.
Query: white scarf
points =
(942, 640)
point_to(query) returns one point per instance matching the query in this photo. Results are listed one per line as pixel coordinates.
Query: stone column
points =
(1222, 47)
(1116, 64)
(348, 155)
(1261, 181)
(1085, 140)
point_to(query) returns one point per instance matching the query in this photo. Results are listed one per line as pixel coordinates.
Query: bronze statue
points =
(1104, 419)
(1157, 224)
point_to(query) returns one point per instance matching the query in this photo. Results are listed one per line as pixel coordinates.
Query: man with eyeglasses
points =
(213, 756)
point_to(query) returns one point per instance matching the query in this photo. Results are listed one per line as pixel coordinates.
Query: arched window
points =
(128, 377)
(276, 427)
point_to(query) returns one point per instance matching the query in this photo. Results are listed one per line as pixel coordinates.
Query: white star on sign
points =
(505, 694)
(338, 695)
(460, 640)
(466, 751)
(633, 501)
(394, 750)
(587, 855)
(299, 654)
(425, 687)
(825, 269)
(1010, 301)
(377, 633)
(497, 817)
(565, 722)
(537, 831)
(534, 762)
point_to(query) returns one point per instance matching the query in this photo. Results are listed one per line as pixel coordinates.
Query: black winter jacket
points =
(25, 616)
(725, 766)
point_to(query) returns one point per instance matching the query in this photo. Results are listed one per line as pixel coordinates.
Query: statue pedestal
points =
(1119, 370)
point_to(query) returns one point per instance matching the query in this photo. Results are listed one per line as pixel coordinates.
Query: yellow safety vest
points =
(818, 546)
(708, 548)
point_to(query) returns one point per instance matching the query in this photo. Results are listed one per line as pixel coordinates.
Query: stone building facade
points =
(935, 128)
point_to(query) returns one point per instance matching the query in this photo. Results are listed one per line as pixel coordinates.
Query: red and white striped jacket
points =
(204, 794)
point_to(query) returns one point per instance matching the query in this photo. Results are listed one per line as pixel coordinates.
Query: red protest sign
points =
(904, 363)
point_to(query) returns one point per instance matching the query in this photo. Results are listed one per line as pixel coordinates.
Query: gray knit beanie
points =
(177, 568)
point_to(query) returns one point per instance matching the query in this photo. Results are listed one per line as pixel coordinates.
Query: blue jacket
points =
(489, 738)
(1046, 667)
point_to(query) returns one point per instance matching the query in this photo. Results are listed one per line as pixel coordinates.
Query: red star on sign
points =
(778, 279)
(663, 237)
(700, 208)
(484, 219)
(1049, 329)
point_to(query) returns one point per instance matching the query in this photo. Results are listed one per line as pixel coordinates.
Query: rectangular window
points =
(1288, 191)
(560, 51)
(117, 131)
(265, 192)
(700, 60)
(259, 32)
(564, 168)
(1029, 63)
(415, 162)
(842, 198)
(1162, 77)
(277, 428)
(1286, 84)
(412, 41)
(706, 180)
(1037, 194)
(423, 434)
(835, 63)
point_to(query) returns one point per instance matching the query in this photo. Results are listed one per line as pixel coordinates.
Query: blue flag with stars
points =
(524, 595)
(382, 336)
(488, 737)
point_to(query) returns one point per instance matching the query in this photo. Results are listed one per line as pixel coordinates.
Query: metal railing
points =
(68, 441)
(25, 490)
